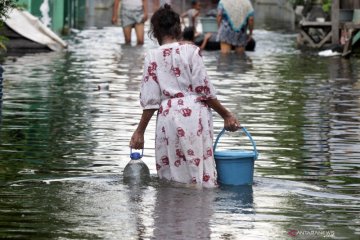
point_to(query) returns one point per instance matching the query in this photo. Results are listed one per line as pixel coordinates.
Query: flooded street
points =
(67, 118)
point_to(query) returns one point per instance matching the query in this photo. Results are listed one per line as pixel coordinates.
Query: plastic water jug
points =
(136, 171)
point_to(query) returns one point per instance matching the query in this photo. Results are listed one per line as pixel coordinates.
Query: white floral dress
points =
(176, 83)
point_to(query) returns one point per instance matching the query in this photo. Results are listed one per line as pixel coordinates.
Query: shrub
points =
(5, 6)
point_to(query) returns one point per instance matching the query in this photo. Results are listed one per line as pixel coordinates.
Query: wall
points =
(272, 13)
(63, 13)
(56, 12)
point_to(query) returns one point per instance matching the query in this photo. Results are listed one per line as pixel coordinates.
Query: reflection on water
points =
(183, 214)
(67, 119)
(1, 89)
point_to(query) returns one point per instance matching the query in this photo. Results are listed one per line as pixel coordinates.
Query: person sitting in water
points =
(189, 35)
(193, 15)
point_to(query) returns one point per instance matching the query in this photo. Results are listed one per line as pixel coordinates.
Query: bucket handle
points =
(247, 134)
(142, 152)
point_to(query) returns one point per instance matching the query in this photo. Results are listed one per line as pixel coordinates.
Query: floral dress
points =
(176, 83)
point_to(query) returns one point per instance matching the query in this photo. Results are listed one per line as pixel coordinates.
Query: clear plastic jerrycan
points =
(136, 171)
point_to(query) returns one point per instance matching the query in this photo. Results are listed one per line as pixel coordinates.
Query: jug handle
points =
(247, 134)
(142, 151)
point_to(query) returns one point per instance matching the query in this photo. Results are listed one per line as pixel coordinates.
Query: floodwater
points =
(66, 121)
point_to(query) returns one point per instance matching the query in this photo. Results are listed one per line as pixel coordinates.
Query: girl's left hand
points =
(137, 140)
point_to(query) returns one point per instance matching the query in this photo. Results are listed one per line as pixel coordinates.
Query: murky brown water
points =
(64, 144)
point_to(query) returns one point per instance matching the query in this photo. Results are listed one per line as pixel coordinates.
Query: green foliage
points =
(5, 6)
(326, 6)
(3, 40)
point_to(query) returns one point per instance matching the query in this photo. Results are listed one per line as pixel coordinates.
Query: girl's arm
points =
(230, 121)
(137, 139)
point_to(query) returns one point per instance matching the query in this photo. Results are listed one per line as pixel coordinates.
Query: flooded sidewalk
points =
(67, 118)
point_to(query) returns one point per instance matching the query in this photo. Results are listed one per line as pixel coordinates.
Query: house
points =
(38, 26)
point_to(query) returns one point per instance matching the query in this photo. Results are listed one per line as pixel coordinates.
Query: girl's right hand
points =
(231, 123)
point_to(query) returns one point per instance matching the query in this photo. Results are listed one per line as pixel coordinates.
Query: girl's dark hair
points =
(165, 22)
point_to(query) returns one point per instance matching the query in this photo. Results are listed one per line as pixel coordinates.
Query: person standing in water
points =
(133, 14)
(176, 85)
(235, 18)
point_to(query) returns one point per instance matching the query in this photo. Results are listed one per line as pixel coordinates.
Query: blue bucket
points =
(209, 24)
(235, 167)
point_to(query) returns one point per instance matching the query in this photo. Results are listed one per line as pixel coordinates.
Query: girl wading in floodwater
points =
(175, 83)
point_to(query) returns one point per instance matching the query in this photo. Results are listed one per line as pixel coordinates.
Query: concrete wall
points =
(274, 13)
(100, 15)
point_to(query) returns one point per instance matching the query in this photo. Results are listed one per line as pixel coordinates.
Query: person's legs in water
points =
(127, 34)
(139, 30)
(240, 50)
(133, 18)
(225, 47)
